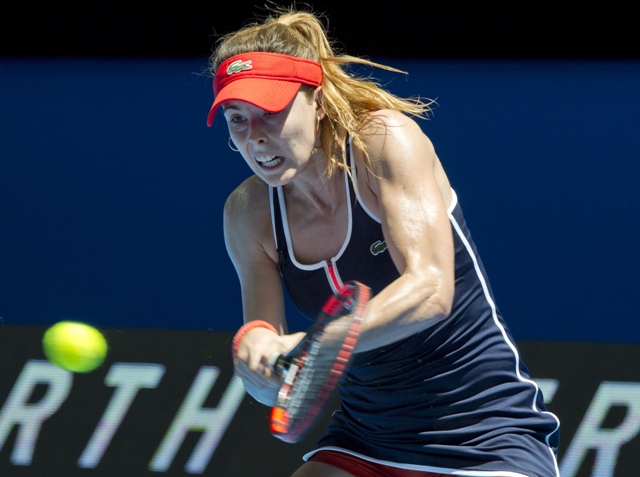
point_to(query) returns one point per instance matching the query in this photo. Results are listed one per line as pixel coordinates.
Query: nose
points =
(257, 133)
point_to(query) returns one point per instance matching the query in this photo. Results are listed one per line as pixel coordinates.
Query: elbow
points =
(438, 300)
(442, 304)
(438, 304)
(444, 297)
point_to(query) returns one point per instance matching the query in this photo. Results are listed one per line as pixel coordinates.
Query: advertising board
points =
(166, 402)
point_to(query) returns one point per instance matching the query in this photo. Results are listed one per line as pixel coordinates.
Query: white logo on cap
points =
(238, 66)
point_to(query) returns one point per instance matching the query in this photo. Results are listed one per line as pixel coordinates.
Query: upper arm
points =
(251, 247)
(408, 196)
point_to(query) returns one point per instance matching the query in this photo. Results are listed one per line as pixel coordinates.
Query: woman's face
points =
(277, 146)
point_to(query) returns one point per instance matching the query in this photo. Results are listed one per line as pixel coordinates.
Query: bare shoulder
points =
(398, 153)
(247, 216)
(249, 200)
(387, 118)
(389, 134)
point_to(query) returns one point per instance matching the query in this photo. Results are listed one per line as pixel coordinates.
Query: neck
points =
(315, 189)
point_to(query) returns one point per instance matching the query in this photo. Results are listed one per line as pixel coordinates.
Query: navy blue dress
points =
(455, 397)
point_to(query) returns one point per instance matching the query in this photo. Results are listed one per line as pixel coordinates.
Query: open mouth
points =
(269, 161)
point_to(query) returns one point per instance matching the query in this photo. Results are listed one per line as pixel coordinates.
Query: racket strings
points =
(315, 373)
(319, 371)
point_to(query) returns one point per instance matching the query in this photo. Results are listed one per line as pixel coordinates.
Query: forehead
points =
(299, 100)
(236, 104)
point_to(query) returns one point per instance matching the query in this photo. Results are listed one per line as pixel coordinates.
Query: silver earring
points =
(231, 147)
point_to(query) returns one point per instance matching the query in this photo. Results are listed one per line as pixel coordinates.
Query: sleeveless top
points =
(453, 398)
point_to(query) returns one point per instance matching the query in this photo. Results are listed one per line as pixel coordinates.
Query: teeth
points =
(269, 161)
(265, 158)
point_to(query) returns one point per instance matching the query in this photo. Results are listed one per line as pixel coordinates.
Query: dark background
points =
(111, 185)
(418, 29)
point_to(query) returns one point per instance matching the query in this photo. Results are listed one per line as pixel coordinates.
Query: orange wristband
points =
(244, 329)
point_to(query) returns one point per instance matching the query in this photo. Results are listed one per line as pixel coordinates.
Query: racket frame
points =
(349, 302)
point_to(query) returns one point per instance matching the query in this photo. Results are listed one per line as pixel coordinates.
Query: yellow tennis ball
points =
(74, 346)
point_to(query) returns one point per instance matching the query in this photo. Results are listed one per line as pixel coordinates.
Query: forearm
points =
(404, 308)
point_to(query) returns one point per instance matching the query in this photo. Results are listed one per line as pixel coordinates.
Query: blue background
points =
(112, 187)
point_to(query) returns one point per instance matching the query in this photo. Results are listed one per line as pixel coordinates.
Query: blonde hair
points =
(346, 98)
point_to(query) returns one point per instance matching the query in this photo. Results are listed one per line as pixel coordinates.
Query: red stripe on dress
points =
(335, 283)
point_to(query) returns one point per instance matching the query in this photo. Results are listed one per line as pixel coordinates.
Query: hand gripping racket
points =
(312, 371)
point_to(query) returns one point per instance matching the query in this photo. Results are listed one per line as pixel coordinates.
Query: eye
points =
(235, 119)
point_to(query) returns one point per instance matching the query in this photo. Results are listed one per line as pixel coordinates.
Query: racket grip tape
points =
(277, 363)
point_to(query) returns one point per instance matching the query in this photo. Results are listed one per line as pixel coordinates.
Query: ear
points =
(317, 97)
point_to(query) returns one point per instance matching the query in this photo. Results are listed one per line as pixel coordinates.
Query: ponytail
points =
(346, 99)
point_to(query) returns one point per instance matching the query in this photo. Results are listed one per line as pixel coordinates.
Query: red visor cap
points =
(269, 81)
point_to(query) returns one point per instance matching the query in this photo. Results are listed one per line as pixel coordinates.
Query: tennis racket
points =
(312, 371)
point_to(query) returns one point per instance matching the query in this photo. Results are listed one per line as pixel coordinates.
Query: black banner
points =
(167, 403)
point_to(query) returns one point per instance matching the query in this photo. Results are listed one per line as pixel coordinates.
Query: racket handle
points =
(277, 363)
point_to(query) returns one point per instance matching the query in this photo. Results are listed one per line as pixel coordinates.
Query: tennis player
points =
(346, 186)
